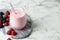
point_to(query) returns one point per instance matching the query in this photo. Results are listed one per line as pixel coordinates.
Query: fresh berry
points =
(8, 32)
(6, 24)
(7, 13)
(1, 26)
(13, 33)
(0, 22)
(9, 39)
(11, 29)
(7, 19)
(6, 16)
(1, 13)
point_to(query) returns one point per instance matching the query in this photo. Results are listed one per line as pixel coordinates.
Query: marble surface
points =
(45, 16)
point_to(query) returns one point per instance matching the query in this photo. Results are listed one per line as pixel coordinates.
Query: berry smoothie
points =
(17, 19)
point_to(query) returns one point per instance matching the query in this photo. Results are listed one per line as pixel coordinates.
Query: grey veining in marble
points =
(45, 15)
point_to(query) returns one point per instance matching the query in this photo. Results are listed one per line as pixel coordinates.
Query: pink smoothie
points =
(18, 19)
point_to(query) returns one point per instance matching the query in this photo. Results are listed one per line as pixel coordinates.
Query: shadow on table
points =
(37, 25)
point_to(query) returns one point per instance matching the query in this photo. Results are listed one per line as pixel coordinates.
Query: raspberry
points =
(8, 39)
(8, 32)
(13, 33)
(7, 19)
(11, 29)
(7, 13)
(6, 24)
(6, 16)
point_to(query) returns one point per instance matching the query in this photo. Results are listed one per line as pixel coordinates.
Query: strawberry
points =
(8, 39)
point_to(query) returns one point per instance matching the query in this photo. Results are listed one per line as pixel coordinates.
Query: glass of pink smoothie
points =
(17, 18)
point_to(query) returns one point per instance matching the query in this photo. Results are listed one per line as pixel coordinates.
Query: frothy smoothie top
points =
(18, 13)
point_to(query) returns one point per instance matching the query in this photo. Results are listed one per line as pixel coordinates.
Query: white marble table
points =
(45, 15)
